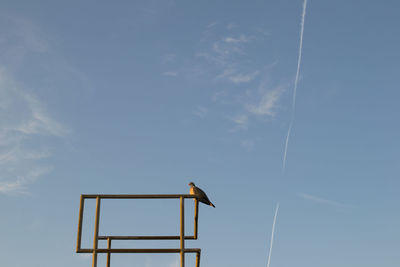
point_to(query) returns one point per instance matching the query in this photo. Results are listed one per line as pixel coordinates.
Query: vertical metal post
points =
(182, 232)
(197, 259)
(81, 208)
(108, 253)
(196, 217)
(96, 232)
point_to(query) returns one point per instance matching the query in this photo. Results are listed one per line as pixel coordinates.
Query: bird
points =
(200, 195)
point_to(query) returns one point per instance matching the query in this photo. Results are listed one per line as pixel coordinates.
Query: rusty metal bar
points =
(198, 258)
(106, 196)
(182, 231)
(196, 218)
(81, 209)
(96, 233)
(145, 250)
(140, 250)
(108, 253)
(155, 237)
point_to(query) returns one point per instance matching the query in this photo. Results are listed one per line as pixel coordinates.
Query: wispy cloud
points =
(241, 39)
(168, 58)
(211, 24)
(321, 200)
(224, 50)
(24, 121)
(237, 78)
(171, 73)
(25, 48)
(240, 120)
(243, 78)
(224, 53)
(26, 127)
(263, 102)
(268, 103)
(226, 56)
(201, 111)
(19, 38)
(247, 144)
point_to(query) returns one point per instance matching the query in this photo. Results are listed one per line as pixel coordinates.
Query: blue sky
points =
(146, 96)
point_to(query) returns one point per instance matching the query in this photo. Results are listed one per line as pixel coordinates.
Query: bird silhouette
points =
(200, 195)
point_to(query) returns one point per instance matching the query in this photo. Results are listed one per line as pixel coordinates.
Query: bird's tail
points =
(212, 205)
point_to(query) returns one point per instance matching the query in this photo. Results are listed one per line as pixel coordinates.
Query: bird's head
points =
(191, 184)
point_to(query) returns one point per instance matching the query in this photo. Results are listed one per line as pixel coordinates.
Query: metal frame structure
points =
(95, 250)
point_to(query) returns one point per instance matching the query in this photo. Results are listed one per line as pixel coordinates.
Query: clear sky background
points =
(146, 96)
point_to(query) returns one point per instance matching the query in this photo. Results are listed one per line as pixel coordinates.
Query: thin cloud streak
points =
(170, 73)
(323, 200)
(295, 84)
(241, 120)
(272, 235)
(242, 39)
(286, 146)
(243, 78)
(231, 74)
(303, 16)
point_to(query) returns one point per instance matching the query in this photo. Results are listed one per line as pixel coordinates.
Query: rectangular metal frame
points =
(95, 250)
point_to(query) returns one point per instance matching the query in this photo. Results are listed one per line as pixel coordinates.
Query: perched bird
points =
(200, 195)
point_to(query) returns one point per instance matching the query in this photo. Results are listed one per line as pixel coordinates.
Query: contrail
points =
(303, 16)
(272, 234)
(286, 145)
(296, 80)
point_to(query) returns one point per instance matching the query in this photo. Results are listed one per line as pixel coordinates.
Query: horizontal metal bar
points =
(166, 237)
(138, 196)
(139, 250)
